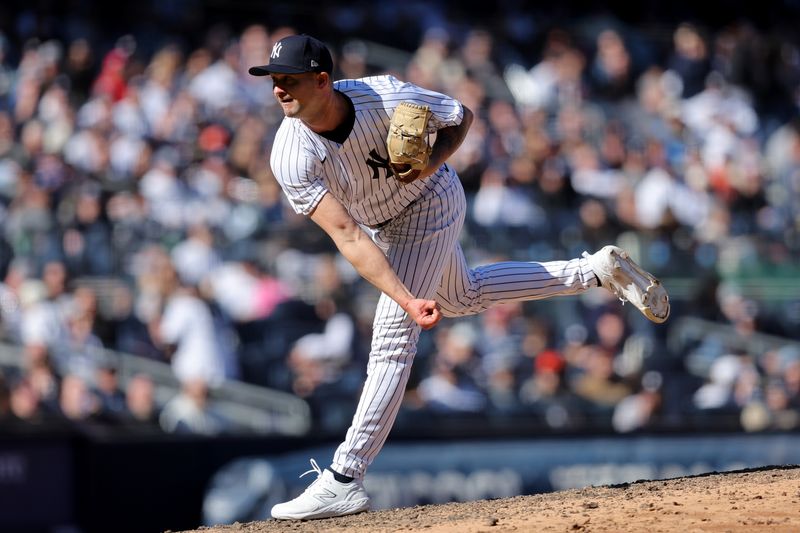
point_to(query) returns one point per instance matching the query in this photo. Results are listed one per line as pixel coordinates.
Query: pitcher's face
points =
(299, 94)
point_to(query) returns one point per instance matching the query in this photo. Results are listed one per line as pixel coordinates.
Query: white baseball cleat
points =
(324, 498)
(629, 282)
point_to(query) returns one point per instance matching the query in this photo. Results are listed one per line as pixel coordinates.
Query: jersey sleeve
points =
(445, 110)
(297, 170)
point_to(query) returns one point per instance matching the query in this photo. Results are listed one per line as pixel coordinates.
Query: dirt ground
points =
(745, 501)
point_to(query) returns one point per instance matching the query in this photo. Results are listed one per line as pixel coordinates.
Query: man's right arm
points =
(369, 261)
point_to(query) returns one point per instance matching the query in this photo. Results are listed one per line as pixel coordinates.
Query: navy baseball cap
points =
(296, 54)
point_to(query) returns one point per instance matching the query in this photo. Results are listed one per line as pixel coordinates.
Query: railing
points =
(252, 408)
(689, 329)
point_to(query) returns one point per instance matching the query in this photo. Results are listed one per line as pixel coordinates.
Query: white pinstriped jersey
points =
(356, 173)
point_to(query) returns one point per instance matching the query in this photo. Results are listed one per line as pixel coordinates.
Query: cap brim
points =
(266, 70)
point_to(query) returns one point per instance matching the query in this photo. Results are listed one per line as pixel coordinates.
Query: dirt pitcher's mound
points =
(765, 499)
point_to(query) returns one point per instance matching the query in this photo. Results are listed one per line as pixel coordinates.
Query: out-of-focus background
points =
(176, 343)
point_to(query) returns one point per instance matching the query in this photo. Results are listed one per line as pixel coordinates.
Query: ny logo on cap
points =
(314, 64)
(276, 50)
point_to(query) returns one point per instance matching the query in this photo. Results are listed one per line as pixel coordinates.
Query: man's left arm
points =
(447, 142)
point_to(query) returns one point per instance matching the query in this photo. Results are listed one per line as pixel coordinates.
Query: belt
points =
(380, 224)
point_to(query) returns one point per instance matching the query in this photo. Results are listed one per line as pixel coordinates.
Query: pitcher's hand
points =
(426, 313)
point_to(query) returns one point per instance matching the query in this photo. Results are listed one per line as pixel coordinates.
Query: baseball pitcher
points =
(355, 156)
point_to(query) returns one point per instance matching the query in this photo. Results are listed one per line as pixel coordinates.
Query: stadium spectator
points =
(690, 58)
(41, 375)
(640, 409)
(320, 358)
(25, 404)
(197, 346)
(190, 412)
(456, 383)
(77, 401)
(11, 312)
(597, 383)
(611, 72)
(106, 386)
(547, 395)
(140, 401)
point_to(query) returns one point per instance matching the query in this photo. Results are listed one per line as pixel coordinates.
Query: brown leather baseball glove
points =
(407, 141)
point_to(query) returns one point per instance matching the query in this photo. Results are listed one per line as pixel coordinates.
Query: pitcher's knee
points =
(457, 309)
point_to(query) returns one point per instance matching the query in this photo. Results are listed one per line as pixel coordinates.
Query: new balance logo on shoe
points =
(325, 496)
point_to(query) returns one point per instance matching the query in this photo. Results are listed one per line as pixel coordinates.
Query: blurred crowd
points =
(139, 214)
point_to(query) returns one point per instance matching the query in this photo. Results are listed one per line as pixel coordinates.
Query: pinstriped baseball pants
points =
(422, 247)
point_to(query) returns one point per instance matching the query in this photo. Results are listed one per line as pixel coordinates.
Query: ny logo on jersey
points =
(276, 50)
(375, 162)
